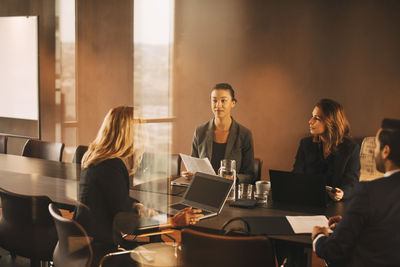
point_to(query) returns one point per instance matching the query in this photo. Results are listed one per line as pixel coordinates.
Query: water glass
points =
(245, 191)
(228, 170)
(262, 191)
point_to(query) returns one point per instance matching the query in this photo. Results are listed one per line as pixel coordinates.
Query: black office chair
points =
(43, 150)
(257, 168)
(79, 152)
(74, 245)
(175, 165)
(206, 247)
(26, 227)
(3, 144)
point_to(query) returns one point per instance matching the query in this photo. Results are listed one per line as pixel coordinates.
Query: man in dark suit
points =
(368, 234)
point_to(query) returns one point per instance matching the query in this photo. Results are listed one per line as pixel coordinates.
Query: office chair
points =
(206, 247)
(79, 152)
(74, 245)
(26, 227)
(175, 165)
(118, 259)
(3, 144)
(43, 150)
(367, 160)
(257, 168)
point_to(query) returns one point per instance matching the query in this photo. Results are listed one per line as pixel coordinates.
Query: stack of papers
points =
(305, 224)
(194, 165)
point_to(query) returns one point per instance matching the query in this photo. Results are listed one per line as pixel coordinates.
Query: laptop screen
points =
(208, 190)
(298, 189)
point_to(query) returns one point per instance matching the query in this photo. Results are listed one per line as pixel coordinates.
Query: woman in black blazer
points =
(329, 151)
(104, 181)
(224, 138)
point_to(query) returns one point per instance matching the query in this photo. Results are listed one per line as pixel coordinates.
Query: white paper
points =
(305, 224)
(194, 165)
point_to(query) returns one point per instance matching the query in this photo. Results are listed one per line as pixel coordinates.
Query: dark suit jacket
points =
(239, 146)
(104, 188)
(368, 234)
(344, 169)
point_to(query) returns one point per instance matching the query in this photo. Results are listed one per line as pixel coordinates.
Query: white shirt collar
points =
(387, 174)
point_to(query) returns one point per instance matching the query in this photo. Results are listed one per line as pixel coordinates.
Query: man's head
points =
(387, 151)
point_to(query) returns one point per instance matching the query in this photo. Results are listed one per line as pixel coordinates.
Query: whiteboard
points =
(19, 68)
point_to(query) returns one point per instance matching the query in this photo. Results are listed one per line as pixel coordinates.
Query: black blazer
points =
(104, 188)
(239, 147)
(368, 234)
(344, 166)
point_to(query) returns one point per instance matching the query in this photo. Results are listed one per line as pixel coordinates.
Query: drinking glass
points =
(245, 191)
(228, 170)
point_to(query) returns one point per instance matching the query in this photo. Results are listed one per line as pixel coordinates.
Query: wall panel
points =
(282, 57)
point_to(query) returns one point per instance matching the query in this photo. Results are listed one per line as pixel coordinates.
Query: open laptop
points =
(298, 189)
(206, 192)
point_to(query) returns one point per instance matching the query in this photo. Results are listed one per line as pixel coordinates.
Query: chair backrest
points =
(119, 258)
(367, 160)
(26, 227)
(201, 248)
(43, 150)
(74, 245)
(175, 165)
(3, 144)
(257, 167)
(79, 152)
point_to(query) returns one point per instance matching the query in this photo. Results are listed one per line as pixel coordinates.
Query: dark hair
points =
(225, 86)
(390, 136)
(337, 125)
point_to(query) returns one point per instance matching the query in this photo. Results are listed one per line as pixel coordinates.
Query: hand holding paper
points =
(194, 165)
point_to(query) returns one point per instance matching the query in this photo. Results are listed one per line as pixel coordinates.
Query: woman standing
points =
(224, 138)
(329, 150)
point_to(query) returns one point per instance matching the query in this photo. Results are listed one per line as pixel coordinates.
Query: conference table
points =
(60, 182)
(31, 176)
(27, 165)
(159, 191)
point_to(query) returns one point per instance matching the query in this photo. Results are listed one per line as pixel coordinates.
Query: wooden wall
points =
(104, 61)
(45, 9)
(282, 57)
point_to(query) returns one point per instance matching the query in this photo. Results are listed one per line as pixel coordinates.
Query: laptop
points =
(298, 189)
(206, 192)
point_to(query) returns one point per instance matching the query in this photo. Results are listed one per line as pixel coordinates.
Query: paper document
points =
(305, 224)
(193, 164)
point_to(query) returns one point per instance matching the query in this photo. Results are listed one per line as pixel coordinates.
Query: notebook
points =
(298, 189)
(206, 192)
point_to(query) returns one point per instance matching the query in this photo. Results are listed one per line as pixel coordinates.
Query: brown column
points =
(104, 61)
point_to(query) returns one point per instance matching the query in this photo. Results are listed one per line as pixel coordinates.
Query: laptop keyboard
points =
(179, 206)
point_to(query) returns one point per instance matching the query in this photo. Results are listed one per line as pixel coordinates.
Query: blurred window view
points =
(66, 119)
(153, 39)
(153, 42)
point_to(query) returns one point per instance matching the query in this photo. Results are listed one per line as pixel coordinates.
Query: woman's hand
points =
(338, 195)
(188, 175)
(333, 221)
(186, 217)
(144, 211)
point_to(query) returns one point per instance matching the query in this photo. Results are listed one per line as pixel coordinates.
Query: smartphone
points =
(330, 189)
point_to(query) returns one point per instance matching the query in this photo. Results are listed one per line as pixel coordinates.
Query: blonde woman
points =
(104, 180)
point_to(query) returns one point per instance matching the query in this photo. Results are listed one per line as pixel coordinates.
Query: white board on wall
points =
(19, 68)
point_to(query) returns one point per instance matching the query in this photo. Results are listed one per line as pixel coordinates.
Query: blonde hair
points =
(337, 125)
(116, 139)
